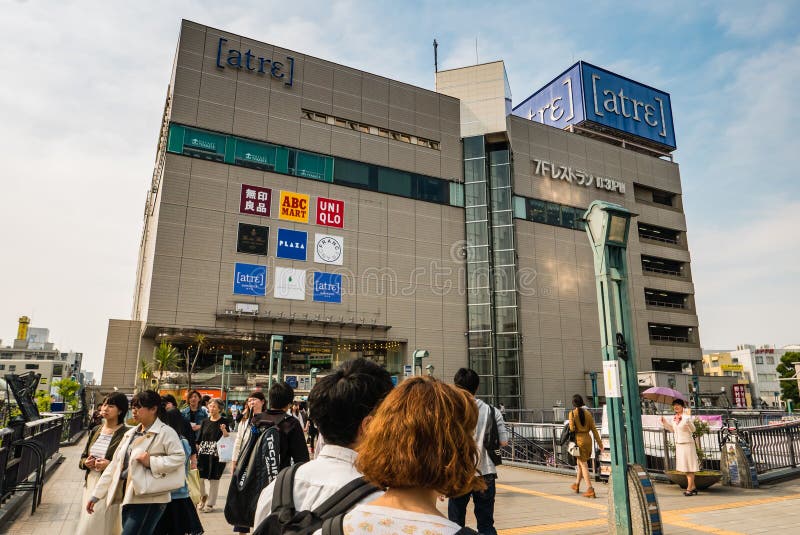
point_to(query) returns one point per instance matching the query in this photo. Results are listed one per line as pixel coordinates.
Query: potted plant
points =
(704, 478)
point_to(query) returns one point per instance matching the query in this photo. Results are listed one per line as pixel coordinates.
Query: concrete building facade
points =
(356, 215)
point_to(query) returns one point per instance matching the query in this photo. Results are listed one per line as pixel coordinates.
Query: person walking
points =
(149, 448)
(103, 442)
(300, 415)
(338, 403)
(255, 404)
(686, 460)
(581, 423)
(293, 447)
(194, 412)
(180, 516)
(211, 430)
(483, 499)
(421, 411)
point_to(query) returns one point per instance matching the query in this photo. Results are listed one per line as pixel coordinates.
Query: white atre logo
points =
(328, 249)
(577, 176)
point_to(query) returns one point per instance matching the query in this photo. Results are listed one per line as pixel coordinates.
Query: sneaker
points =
(207, 509)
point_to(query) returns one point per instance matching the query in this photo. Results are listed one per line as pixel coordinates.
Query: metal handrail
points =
(657, 238)
(664, 304)
(662, 338)
(646, 267)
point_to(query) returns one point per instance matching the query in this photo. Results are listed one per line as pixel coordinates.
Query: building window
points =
(770, 360)
(759, 359)
(31, 366)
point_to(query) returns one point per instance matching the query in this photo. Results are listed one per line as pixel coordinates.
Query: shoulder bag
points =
(145, 482)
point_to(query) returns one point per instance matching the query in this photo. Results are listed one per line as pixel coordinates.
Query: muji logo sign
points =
(330, 212)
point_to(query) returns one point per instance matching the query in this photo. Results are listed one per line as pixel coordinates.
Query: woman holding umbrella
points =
(685, 453)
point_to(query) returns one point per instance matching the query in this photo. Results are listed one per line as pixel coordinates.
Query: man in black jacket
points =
(293, 448)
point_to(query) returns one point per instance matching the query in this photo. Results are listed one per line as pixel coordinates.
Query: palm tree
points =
(200, 342)
(164, 358)
(145, 373)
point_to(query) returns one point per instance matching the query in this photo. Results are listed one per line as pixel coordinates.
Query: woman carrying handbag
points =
(582, 424)
(103, 442)
(146, 467)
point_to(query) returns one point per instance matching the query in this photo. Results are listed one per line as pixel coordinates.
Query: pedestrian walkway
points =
(528, 501)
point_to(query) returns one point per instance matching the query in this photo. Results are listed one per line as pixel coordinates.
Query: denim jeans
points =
(483, 504)
(141, 518)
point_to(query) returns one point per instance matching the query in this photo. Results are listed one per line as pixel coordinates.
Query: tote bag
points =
(225, 448)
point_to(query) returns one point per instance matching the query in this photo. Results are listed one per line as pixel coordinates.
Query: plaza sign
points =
(577, 177)
(597, 99)
(228, 58)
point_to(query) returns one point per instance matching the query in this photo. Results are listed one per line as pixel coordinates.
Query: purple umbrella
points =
(662, 394)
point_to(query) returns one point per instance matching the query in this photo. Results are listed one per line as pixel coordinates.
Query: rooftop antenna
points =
(435, 56)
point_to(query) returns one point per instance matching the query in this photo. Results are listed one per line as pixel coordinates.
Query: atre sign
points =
(597, 99)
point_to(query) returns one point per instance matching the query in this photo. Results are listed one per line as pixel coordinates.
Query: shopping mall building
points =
(357, 215)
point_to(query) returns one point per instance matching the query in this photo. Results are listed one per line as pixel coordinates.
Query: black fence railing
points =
(24, 452)
(74, 423)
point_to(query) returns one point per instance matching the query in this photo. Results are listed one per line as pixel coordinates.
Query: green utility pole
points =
(275, 351)
(608, 226)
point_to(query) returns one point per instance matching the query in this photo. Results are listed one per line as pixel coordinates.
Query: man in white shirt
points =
(483, 501)
(338, 404)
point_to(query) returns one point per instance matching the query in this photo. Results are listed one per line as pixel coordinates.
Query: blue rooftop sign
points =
(586, 95)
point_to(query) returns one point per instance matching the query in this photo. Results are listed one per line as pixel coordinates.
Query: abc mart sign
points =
(577, 177)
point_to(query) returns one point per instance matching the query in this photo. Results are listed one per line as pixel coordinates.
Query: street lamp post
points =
(226, 363)
(430, 368)
(275, 350)
(313, 377)
(608, 226)
(419, 354)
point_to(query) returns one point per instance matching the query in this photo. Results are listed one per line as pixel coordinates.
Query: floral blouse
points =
(378, 520)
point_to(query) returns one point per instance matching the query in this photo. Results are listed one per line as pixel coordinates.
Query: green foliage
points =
(165, 357)
(68, 390)
(786, 369)
(43, 400)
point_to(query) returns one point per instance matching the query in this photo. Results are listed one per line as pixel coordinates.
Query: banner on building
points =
(255, 200)
(739, 396)
(330, 212)
(252, 239)
(291, 244)
(290, 283)
(293, 207)
(328, 249)
(249, 279)
(327, 287)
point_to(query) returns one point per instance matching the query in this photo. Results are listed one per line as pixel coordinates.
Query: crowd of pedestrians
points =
(383, 457)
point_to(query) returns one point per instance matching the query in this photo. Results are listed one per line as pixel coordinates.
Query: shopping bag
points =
(225, 448)
(193, 482)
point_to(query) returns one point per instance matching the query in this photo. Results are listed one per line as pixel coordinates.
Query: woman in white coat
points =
(148, 452)
(685, 453)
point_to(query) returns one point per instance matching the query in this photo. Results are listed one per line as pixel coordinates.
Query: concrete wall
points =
(122, 353)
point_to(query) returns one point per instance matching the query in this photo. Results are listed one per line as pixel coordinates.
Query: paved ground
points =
(527, 502)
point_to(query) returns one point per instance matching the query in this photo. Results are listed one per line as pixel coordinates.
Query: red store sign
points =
(330, 212)
(255, 200)
(739, 397)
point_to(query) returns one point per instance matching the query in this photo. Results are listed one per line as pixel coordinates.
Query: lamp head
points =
(607, 223)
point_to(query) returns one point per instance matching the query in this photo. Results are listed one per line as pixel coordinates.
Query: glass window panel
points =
(519, 208)
(479, 339)
(508, 386)
(478, 295)
(508, 298)
(474, 171)
(351, 173)
(473, 147)
(500, 176)
(507, 341)
(502, 217)
(501, 199)
(432, 189)
(553, 212)
(475, 194)
(479, 317)
(456, 194)
(507, 363)
(257, 155)
(394, 182)
(567, 217)
(499, 157)
(478, 254)
(478, 275)
(477, 234)
(537, 210)
(506, 319)
(580, 224)
(503, 258)
(310, 165)
(503, 237)
(504, 278)
(477, 213)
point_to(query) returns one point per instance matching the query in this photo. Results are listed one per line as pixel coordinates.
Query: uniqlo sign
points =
(255, 200)
(330, 212)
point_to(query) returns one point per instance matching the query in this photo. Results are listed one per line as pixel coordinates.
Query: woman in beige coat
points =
(150, 449)
(685, 452)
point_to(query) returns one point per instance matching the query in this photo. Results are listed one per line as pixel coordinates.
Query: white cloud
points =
(753, 19)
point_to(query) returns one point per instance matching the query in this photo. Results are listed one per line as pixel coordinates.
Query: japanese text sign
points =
(255, 200)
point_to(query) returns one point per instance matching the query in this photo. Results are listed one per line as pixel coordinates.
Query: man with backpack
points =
(303, 496)
(490, 436)
(275, 441)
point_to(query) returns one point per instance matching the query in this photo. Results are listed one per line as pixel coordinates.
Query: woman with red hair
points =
(418, 446)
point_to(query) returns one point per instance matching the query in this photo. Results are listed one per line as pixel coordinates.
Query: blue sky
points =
(84, 85)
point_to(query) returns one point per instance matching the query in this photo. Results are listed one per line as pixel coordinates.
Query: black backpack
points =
(257, 466)
(491, 440)
(284, 519)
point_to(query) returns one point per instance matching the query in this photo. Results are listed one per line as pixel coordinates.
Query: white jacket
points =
(166, 455)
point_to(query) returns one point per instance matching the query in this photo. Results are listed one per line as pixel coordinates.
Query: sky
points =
(83, 84)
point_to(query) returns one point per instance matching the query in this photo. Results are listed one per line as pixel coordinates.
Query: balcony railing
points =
(664, 304)
(653, 269)
(673, 241)
(664, 338)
